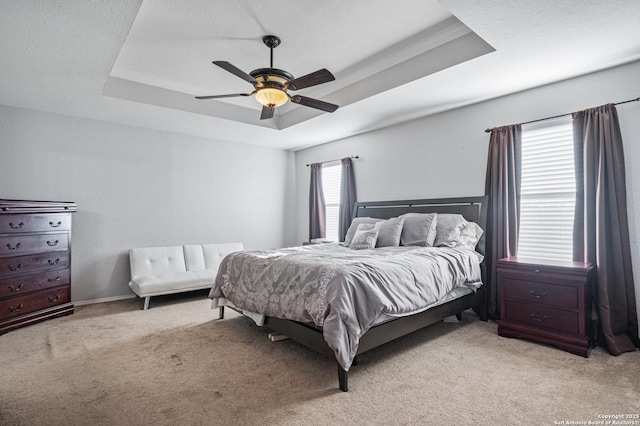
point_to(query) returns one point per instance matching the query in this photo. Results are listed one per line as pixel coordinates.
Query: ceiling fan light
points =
(271, 97)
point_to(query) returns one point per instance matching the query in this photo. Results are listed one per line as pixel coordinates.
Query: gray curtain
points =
(601, 229)
(502, 185)
(347, 197)
(317, 212)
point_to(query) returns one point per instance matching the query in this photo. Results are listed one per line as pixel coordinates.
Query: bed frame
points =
(307, 334)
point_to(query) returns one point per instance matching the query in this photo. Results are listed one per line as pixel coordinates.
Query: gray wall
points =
(446, 154)
(138, 188)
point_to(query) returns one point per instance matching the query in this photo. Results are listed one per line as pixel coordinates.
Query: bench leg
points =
(146, 302)
(221, 312)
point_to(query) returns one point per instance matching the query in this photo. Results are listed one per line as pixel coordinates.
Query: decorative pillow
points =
(365, 236)
(470, 235)
(419, 229)
(448, 229)
(354, 225)
(389, 232)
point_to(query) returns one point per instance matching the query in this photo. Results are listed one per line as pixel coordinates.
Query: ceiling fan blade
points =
(235, 71)
(223, 96)
(267, 112)
(314, 103)
(313, 79)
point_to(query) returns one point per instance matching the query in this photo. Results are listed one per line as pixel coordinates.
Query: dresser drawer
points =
(23, 284)
(15, 245)
(22, 305)
(35, 263)
(542, 316)
(542, 293)
(20, 223)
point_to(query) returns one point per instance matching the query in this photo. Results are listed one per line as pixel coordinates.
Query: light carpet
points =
(177, 364)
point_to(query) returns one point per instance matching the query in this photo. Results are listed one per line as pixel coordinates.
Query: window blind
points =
(331, 179)
(548, 192)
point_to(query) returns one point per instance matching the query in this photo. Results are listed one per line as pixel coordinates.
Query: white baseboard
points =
(104, 299)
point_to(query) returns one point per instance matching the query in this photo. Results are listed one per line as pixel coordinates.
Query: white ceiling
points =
(141, 62)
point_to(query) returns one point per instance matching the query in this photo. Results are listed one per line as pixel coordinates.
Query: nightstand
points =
(547, 301)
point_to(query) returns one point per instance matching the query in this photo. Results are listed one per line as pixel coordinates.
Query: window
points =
(548, 191)
(331, 177)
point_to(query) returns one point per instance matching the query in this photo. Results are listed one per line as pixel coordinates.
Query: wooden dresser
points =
(547, 301)
(35, 261)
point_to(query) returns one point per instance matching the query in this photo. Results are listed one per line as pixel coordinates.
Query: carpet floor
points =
(177, 364)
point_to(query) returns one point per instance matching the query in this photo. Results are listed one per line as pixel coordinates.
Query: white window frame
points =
(331, 182)
(547, 196)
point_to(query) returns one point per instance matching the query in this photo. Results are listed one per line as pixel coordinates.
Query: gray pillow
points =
(389, 232)
(419, 229)
(354, 225)
(365, 236)
(448, 229)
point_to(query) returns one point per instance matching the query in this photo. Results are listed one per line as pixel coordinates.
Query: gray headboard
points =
(471, 208)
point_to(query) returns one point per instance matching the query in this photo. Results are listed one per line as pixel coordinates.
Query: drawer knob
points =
(53, 299)
(14, 226)
(17, 308)
(53, 262)
(10, 247)
(537, 271)
(538, 296)
(14, 289)
(15, 268)
(54, 279)
(52, 243)
(55, 225)
(533, 315)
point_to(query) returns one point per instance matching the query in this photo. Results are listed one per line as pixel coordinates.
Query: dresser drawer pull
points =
(15, 268)
(52, 243)
(53, 262)
(14, 289)
(55, 225)
(10, 247)
(54, 299)
(538, 296)
(14, 226)
(17, 308)
(538, 319)
(54, 279)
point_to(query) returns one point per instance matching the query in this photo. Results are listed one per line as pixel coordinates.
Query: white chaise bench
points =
(174, 269)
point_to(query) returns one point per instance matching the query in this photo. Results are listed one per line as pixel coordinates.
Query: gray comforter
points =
(341, 289)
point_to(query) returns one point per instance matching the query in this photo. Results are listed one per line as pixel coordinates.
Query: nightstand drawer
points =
(542, 316)
(541, 293)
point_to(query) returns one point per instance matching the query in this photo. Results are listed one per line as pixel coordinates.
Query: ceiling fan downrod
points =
(271, 42)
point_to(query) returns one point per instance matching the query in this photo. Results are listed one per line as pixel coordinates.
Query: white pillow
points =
(389, 232)
(419, 229)
(354, 225)
(448, 229)
(469, 236)
(365, 236)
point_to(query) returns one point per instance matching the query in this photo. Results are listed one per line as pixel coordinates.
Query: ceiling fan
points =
(271, 84)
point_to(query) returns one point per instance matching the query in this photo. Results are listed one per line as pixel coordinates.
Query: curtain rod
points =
(337, 159)
(562, 115)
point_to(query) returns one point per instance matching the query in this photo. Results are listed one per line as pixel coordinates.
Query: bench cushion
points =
(208, 256)
(155, 285)
(156, 261)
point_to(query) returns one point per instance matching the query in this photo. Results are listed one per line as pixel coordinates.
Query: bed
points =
(343, 302)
